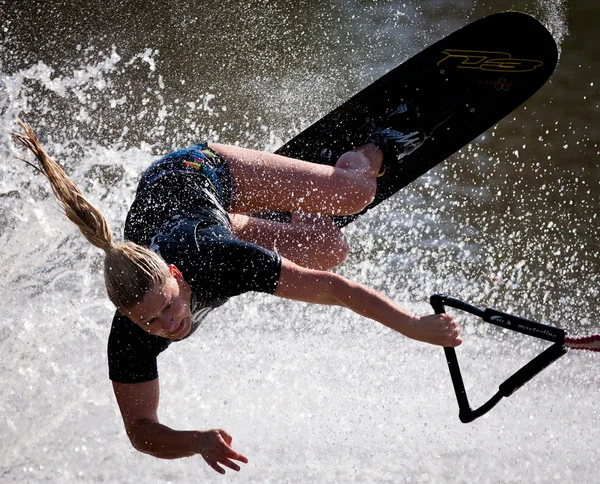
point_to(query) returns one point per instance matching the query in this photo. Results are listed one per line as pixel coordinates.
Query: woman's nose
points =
(168, 323)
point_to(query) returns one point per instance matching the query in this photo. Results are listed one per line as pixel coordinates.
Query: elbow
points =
(145, 447)
(339, 290)
(137, 439)
(137, 443)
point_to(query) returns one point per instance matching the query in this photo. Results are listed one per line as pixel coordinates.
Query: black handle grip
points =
(437, 302)
(522, 376)
(465, 412)
(524, 326)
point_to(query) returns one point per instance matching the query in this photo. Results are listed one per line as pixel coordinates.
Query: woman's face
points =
(165, 310)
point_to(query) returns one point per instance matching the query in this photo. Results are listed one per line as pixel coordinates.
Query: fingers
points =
(217, 451)
(231, 454)
(225, 462)
(226, 437)
(235, 456)
(215, 466)
(231, 465)
(214, 463)
(451, 330)
(441, 329)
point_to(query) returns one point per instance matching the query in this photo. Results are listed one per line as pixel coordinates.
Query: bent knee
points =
(368, 193)
(331, 251)
(360, 197)
(338, 253)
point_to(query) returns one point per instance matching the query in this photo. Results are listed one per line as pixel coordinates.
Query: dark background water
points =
(514, 214)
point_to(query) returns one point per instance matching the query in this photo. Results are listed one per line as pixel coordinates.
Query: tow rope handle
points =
(518, 379)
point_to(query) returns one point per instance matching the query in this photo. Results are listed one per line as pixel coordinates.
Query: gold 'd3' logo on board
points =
(487, 61)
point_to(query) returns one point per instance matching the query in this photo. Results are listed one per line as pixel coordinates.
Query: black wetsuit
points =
(180, 212)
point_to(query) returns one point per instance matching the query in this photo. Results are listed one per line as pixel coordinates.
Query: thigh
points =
(310, 241)
(266, 181)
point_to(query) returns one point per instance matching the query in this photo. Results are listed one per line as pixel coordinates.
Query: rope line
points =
(590, 343)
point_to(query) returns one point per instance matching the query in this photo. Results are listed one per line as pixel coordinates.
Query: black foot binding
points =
(403, 131)
(395, 145)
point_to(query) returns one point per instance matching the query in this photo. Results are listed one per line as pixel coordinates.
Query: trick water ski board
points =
(437, 101)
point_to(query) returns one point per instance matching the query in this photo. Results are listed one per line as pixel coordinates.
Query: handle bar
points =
(518, 379)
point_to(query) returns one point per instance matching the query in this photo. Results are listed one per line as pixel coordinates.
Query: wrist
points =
(409, 324)
(198, 441)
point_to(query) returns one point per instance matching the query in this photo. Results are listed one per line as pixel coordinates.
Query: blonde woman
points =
(191, 246)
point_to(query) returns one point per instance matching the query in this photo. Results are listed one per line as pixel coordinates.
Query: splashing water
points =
(552, 13)
(319, 395)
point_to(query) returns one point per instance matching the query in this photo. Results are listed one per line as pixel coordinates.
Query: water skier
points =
(191, 246)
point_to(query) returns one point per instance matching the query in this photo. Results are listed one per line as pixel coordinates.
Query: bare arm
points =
(138, 403)
(320, 287)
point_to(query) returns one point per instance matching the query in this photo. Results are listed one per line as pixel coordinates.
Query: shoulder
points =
(215, 263)
(132, 352)
(236, 266)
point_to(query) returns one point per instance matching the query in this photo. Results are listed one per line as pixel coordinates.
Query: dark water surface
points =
(524, 198)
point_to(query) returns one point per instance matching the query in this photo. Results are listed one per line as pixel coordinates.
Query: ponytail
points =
(130, 270)
(82, 213)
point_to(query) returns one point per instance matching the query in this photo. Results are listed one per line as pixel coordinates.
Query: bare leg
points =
(311, 241)
(265, 181)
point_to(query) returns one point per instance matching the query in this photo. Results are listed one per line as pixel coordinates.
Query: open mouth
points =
(178, 329)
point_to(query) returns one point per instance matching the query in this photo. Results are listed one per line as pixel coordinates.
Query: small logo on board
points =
(487, 61)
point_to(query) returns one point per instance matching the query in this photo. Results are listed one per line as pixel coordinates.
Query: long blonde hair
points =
(130, 270)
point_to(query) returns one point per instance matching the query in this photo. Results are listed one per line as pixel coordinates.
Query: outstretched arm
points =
(320, 287)
(138, 403)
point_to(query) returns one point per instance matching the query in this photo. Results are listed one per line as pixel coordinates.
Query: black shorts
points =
(194, 183)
